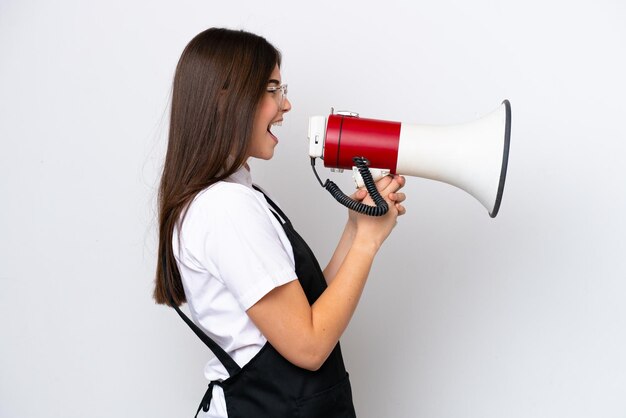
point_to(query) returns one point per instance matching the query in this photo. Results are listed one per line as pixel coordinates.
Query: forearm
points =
(332, 311)
(304, 334)
(343, 246)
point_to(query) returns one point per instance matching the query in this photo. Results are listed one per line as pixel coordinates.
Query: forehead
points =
(275, 77)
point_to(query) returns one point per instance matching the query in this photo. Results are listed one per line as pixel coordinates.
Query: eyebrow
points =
(274, 81)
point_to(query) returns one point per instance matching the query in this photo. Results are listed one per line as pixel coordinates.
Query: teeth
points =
(277, 123)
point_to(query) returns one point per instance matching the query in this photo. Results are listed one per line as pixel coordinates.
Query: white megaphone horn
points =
(472, 156)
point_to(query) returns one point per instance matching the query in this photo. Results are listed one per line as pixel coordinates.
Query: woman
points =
(257, 296)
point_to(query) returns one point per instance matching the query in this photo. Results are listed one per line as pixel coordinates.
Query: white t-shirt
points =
(232, 252)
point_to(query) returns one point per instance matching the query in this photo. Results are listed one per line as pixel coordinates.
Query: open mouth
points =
(269, 129)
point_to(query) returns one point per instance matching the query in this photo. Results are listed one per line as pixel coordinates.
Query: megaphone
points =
(472, 156)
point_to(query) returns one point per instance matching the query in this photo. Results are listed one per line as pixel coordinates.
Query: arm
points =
(343, 246)
(349, 231)
(305, 335)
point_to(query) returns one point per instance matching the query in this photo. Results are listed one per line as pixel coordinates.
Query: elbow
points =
(313, 364)
(314, 368)
(309, 360)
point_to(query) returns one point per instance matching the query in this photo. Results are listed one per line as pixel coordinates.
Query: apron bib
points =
(269, 385)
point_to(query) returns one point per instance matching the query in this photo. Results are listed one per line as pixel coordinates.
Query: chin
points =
(268, 155)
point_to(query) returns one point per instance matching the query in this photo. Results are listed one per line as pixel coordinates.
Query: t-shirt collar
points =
(242, 176)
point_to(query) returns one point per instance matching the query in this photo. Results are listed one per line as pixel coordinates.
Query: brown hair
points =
(220, 79)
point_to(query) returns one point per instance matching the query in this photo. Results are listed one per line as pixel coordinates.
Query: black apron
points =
(269, 385)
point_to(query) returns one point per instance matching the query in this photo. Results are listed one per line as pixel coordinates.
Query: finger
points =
(397, 197)
(359, 194)
(401, 209)
(381, 185)
(401, 181)
(384, 182)
(396, 184)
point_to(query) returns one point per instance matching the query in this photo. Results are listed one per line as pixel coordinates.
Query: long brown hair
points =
(220, 79)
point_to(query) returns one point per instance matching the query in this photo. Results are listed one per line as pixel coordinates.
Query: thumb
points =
(359, 194)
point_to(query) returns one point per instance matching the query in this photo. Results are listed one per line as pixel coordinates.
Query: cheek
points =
(266, 112)
(268, 108)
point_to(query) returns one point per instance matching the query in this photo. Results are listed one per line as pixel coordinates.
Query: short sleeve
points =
(243, 247)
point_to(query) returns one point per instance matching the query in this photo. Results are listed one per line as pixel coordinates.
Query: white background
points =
(463, 316)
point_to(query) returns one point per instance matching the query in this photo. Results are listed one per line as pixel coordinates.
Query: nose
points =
(286, 105)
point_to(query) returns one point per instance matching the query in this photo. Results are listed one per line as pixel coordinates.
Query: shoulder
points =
(225, 204)
(220, 217)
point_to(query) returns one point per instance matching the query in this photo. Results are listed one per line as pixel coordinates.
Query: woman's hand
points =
(361, 193)
(375, 229)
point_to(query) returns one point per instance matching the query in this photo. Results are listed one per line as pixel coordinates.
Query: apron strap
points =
(273, 205)
(229, 364)
(205, 403)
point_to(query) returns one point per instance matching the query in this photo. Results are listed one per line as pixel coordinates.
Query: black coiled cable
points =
(361, 164)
